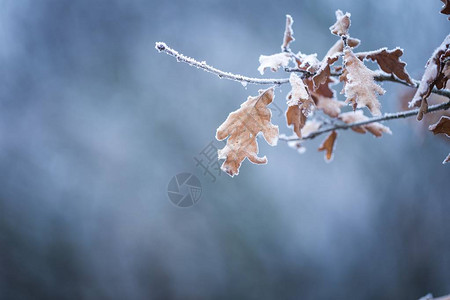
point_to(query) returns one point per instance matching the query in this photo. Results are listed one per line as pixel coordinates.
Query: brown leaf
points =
(323, 73)
(342, 24)
(241, 128)
(328, 145)
(389, 61)
(375, 128)
(359, 85)
(288, 33)
(299, 104)
(433, 76)
(446, 7)
(274, 61)
(442, 126)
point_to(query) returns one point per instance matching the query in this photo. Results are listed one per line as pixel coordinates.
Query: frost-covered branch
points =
(162, 47)
(385, 117)
(381, 76)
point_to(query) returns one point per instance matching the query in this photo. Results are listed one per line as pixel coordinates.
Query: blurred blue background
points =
(94, 123)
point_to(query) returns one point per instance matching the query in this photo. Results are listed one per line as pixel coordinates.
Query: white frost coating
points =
(310, 127)
(299, 92)
(274, 62)
(308, 62)
(360, 86)
(430, 74)
(162, 47)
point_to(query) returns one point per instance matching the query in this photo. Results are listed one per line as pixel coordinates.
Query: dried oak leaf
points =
(324, 71)
(274, 61)
(375, 128)
(328, 145)
(389, 61)
(434, 75)
(442, 126)
(359, 85)
(288, 34)
(300, 104)
(241, 128)
(342, 24)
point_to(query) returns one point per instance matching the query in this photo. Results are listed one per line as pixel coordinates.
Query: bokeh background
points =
(94, 122)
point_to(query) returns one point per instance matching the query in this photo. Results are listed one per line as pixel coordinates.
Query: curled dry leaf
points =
(359, 85)
(375, 128)
(446, 7)
(434, 75)
(241, 128)
(442, 126)
(389, 61)
(324, 71)
(328, 145)
(300, 104)
(288, 34)
(274, 62)
(342, 24)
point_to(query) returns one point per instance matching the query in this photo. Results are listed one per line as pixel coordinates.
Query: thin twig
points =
(385, 117)
(162, 47)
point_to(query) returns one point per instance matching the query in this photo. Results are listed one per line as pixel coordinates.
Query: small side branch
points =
(162, 47)
(385, 117)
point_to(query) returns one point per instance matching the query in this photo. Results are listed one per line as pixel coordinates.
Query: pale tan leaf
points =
(241, 128)
(329, 106)
(274, 62)
(288, 33)
(359, 86)
(375, 128)
(342, 24)
(328, 145)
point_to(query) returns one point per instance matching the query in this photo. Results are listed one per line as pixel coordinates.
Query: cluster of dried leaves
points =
(311, 80)
(312, 104)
